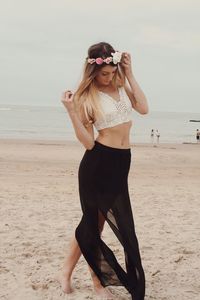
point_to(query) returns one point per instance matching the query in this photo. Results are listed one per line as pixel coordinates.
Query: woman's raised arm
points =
(134, 92)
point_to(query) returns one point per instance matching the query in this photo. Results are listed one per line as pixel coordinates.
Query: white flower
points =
(116, 57)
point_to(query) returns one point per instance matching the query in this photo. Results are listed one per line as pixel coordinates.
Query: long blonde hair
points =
(86, 98)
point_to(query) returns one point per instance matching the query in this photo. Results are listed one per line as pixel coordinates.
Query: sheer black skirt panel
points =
(103, 189)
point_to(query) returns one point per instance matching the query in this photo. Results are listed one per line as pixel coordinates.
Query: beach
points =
(40, 210)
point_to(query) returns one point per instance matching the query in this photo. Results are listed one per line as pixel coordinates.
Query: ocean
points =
(53, 123)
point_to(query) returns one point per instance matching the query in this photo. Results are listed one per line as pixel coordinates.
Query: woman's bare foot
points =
(65, 283)
(103, 293)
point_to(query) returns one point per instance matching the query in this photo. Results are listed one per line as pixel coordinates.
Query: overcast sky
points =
(43, 45)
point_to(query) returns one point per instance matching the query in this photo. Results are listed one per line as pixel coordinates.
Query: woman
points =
(105, 99)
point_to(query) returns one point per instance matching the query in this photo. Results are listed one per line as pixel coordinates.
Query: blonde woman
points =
(105, 99)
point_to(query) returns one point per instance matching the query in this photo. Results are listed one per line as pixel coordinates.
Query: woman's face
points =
(105, 75)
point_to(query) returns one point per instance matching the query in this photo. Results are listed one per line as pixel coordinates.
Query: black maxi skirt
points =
(103, 188)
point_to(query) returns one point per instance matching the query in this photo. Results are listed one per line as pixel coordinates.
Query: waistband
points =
(111, 149)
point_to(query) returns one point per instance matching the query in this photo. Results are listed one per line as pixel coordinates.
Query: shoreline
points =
(73, 142)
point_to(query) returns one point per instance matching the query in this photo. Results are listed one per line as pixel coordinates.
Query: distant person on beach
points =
(198, 136)
(157, 136)
(152, 136)
(105, 99)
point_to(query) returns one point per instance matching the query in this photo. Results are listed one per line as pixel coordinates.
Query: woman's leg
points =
(74, 254)
(98, 288)
(71, 260)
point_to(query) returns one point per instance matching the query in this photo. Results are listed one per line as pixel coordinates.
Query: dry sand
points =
(40, 210)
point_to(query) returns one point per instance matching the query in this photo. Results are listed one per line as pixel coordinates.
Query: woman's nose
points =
(111, 77)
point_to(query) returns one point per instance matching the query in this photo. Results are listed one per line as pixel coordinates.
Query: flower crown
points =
(115, 59)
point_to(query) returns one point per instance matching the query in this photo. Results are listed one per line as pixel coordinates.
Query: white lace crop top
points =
(116, 111)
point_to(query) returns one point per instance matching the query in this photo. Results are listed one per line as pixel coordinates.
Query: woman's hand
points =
(67, 100)
(125, 64)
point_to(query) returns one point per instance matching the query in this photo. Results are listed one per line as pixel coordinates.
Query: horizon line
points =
(59, 106)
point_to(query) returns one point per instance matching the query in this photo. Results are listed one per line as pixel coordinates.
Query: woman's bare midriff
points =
(117, 136)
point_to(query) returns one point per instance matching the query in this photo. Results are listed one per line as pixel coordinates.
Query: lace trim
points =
(112, 120)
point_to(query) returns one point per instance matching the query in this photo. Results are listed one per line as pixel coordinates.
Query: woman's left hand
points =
(126, 64)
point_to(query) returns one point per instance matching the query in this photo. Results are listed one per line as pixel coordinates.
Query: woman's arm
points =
(84, 133)
(134, 92)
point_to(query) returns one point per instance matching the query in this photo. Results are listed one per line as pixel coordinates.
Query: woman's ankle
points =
(66, 275)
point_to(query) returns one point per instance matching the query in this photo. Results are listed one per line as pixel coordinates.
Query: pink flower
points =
(107, 60)
(99, 60)
(91, 60)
